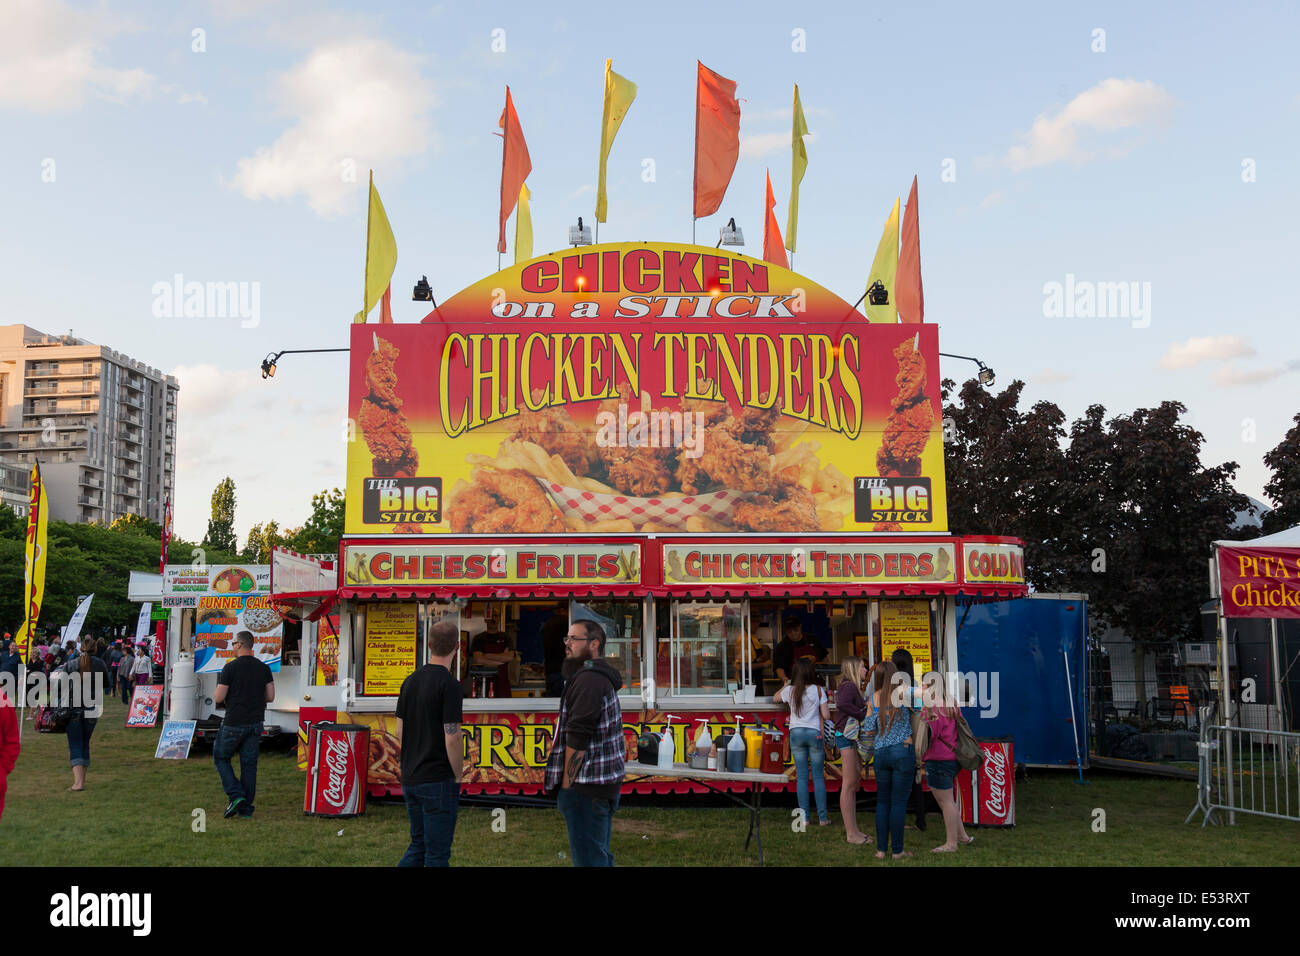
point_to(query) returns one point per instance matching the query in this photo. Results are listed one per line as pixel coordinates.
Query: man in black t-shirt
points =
(428, 729)
(245, 687)
(794, 645)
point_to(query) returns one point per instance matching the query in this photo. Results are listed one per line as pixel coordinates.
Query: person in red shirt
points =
(9, 745)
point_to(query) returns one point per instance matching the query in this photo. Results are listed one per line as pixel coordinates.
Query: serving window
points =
(709, 648)
(389, 641)
(622, 619)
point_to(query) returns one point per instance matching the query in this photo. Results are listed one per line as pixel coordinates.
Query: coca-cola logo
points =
(337, 755)
(995, 772)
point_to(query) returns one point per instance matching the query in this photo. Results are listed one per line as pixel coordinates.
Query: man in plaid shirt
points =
(585, 765)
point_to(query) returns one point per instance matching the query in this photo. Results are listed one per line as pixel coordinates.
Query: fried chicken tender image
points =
(558, 434)
(738, 454)
(790, 508)
(389, 439)
(503, 502)
(381, 374)
(907, 430)
(642, 470)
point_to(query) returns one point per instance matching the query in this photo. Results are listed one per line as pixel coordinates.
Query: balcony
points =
(133, 382)
(91, 481)
(88, 500)
(127, 413)
(129, 400)
(134, 437)
(128, 453)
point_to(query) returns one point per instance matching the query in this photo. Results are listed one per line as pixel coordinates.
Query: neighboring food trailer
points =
(688, 446)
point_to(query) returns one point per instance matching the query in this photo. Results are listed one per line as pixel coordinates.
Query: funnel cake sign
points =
(641, 389)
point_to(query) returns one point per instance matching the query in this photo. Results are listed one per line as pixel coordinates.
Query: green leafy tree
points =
(1284, 487)
(221, 526)
(261, 539)
(323, 529)
(1004, 468)
(11, 526)
(136, 524)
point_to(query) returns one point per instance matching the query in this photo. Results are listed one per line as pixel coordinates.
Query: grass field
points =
(137, 810)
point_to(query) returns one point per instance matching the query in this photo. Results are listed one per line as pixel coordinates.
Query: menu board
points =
(222, 616)
(389, 654)
(906, 625)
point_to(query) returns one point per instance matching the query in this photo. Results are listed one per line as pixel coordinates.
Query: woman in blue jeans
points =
(91, 675)
(895, 760)
(808, 708)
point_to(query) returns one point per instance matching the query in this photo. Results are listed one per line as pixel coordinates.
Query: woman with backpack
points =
(895, 760)
(941, 770)
(808, 708)
(850, 708)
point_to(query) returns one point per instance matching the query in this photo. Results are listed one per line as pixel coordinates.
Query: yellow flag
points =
(798, 166)
(883, 268)
(523, 226)
(619, 94)
(34, 576)
(381, 253)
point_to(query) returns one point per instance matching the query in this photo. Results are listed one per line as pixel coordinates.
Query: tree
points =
(1284, 487)
(1004, 469)
(322, 531)
(221, 526)
(135, 524)
(1143, 511)
(261, 540)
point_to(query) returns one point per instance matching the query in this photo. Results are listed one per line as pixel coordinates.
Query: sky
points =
(230, 141)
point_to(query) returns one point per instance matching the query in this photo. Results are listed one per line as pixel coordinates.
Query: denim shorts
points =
(941, 774)
(843, 743)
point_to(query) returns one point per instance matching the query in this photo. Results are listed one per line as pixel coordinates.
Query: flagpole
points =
(366, 275)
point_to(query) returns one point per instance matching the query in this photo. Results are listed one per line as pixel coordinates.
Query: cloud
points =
(1216, 348)
(586, 188)
(756, 145)
(992, 199)
(1077, 131)
(1232, 375)
(356, 105)
(1049, 376)
(51, 58)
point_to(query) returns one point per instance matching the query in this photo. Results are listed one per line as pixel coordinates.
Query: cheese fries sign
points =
(640, 389)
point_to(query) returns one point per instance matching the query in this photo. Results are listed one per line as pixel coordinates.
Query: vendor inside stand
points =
(793, 646)
(492, 646)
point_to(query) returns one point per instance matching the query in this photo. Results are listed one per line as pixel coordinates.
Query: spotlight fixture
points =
(268, 364)
(877, 294)
(579, 235)
(423, 292)
(730, 235)
(985, 375)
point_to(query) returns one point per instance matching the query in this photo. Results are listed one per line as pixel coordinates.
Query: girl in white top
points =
(808, 708)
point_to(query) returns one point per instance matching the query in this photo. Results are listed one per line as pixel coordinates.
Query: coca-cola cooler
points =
(987, 798)
(337, 759)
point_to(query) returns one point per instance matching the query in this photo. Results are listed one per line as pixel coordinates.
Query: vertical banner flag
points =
(798, 166)
(883, 270)
(515, 164)
(160, 634)
(717, 138)
(911, 297)
(773, 248)
(381, 254)
(34, 573)
(73, 631)
(524, 227)
(619, 94)
(142, 622)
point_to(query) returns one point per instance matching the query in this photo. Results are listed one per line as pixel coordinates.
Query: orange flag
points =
(773, 247)
(386, 306)
(515, 164)
(908, 292)
(717, 138)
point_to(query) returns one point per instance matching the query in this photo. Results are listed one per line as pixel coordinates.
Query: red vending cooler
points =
(988, 798)
(337, 758)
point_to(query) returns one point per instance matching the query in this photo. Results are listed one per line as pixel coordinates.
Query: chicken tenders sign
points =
(640, 389)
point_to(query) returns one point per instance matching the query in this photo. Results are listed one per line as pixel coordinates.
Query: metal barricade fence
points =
(1246, 770)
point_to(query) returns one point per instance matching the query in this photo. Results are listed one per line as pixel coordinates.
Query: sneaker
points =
(233, 807)
(246, 810)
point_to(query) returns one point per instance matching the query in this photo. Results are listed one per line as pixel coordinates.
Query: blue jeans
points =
(243, 740)
(79, 730)
(809, 754)
(895, 768)
(432, 808)
(590, 821)
(125, 685)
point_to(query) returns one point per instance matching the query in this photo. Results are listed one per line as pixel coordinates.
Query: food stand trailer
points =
(683, 444)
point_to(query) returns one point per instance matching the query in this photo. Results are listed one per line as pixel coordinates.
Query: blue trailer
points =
(1020, 650)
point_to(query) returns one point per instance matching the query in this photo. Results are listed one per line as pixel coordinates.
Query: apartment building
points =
(102, 424)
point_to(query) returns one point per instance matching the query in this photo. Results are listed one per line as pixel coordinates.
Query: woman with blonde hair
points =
(850, 705)
(895, 760)
(941, 714)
